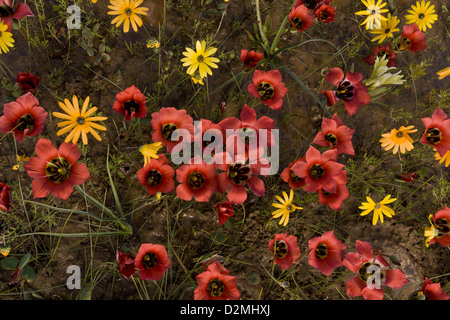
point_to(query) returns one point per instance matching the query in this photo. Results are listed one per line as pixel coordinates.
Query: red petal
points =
(335, 76)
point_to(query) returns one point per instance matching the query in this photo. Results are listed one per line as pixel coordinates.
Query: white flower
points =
(380, 75)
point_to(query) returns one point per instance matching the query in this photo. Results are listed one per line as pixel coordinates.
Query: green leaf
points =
(9, 263)
(28, 274)
(90, 52)
(85, 292)
(24, 261)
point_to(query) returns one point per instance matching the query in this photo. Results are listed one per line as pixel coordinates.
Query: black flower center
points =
(167, 131)
(297, 22)
(295, 177)
(58, 170)
(131, 106)
(331, 138)
(345, 90)
(80, 120)
(382, 53)
(215, 287)
(265, 90)
(406, 41)
(443, 226)
(154, 178)
(200, 58)
(433, 135)
(421, 16)
(387, 30)
(280, 249)
(196, 180)
(25, 122)
(316, 171)
(364, 274)
(238, 173)
(321, 251)
(324, 15)
(310, 4)
(399, 134)
(150, 260)
(128, 11)
(6, 11)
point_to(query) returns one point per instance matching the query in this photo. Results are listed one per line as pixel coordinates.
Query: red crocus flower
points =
(157, 176)
(56, 171)
(312, 4)
(437, 132)
(224, 211)
(432, 291)
(285, 249)
(5, 197)
(213, 130)
(325, 13)
(7, 12)
(334, 200)
(412, 39)
(251, 58)
(166, 121)
(24, 117)
(335, 135)
(319, 170)
(130, 103)
(249, 126)
(28, 82)
(441, 223)
(301, 18)
(326, 252)
(152, 261)
(289, 176)
(238, 173)
(380, 51)
(268, 87)
(370, 270)
(197, 181)
(216, 284)
(126, 264)
(349, 88)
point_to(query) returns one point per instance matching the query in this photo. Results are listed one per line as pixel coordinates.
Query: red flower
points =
(130, 103)
(334, 200)
(437, 132)
(319, 170)
(300, 17)
(212, 130)
(224, 211)
(56, 171)
(251, 58)
(5, 197)
(335, 135)
(249, 124)
(28, 82)
(441, 222)
(216, 284)
(412, 38)
(325, 13)
(197, 181)
(166, 121)
(289, 176)
(370, 270)
(326, 252)
(349, 88)
(238, 172)
(7, 12)
(268, 87)
(126, 264)
(380, 51)
(23, 117)
(285, 250)
(312, 4)
(406, 176)
(157, 176)
(152, 261)
(432, 291)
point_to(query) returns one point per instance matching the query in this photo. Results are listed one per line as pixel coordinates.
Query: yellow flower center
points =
(215, 287)
(58, 170)
(196, 180)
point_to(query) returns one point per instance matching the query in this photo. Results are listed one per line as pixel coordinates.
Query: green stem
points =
(259, 22)
(278, 35)
(96, 203)
(113, 188)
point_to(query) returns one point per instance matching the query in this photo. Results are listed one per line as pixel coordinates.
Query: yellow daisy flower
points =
(21, 160)
(127, 12)
(443, 73)
(422, 14)
(150, 151)
(197, 79)
(445, 158)
(387, 28)
(398, 139)
(378, 208)
(200, 59)
(373, 12)
(285, 207)
(6, 39)
(430, 232)
(80, 122)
